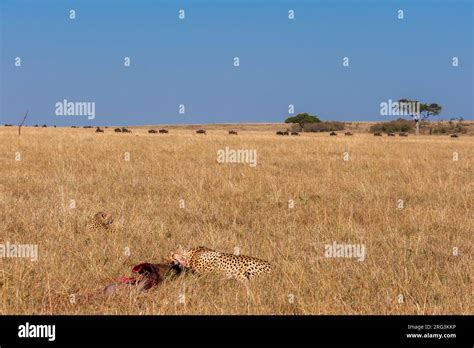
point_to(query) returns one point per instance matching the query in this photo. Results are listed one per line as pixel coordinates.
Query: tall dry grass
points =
(409, 251)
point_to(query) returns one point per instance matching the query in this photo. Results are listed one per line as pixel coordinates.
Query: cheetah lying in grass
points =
(100, 221)
(202, 260)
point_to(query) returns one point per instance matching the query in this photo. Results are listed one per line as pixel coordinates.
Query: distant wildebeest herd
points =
(287, 133)
(231, 132)
(122, 130)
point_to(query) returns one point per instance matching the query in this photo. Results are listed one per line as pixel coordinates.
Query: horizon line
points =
(210, 123)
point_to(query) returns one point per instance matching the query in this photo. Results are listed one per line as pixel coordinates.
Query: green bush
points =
(398, 125)
(448, 128)
(325, 126)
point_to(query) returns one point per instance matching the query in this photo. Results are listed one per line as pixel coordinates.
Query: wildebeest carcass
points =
(149, 275)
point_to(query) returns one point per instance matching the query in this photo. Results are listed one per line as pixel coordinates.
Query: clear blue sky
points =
(190, 61)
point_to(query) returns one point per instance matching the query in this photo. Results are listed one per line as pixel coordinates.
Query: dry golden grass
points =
(408, 251)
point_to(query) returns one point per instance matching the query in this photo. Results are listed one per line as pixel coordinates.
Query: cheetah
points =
(202, 260)
(100, 221)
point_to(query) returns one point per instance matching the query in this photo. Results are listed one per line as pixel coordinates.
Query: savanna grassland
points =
(409, 251)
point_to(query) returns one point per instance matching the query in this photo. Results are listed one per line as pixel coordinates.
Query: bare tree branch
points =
(22, 122)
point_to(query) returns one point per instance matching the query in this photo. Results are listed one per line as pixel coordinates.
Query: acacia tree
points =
(423, 112)
(303, 119)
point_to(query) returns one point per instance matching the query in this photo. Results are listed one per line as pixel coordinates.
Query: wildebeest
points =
(377, 134)
(390, 134)
(152, 131)
(87, 126)
(333, 134)
(454, 136)
(163, 131)
(54, 126)
(283, 133)
(44, 126)
(295, 133)
(8, 125)
(126, 130)
(117, 130)
(234, 132)
(35, 125)
(201, 131)
(348, 133)
(73, 127)
(403, 134)
(98, 130)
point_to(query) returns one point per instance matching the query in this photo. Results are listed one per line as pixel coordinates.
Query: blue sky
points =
(190, 61)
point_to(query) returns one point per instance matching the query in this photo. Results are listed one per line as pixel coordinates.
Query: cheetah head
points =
(178, 257)
(104, 218)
